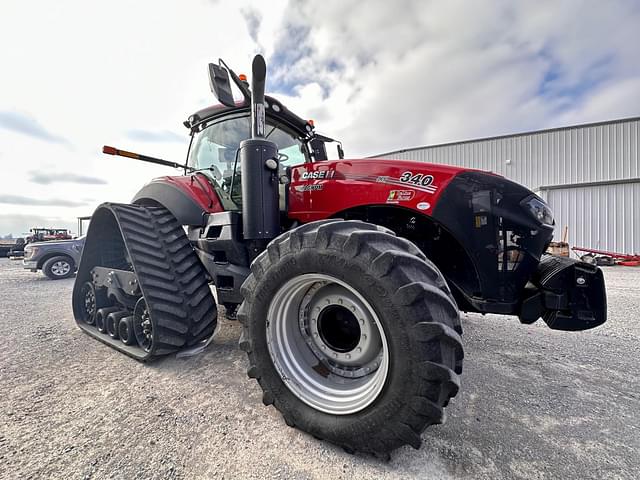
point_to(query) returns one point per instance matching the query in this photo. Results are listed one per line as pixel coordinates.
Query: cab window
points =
(214, 151)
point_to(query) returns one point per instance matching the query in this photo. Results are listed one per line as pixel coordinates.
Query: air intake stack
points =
(259, 167)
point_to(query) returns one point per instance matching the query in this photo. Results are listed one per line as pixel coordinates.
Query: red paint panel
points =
(322, 189)
(197, 187)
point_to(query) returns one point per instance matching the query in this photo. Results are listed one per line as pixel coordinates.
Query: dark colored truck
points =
(56, 259)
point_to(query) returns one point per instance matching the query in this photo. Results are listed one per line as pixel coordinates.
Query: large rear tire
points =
(352, 334)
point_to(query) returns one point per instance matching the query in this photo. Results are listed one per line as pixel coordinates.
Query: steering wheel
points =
(282, 157)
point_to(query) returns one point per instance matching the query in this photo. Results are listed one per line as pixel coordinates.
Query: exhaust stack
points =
(259, 168)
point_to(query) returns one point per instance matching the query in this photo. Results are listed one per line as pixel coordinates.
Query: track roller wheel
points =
(113, 321)
(352, 333)
(100, 326)
(102, 318)
(125, 331)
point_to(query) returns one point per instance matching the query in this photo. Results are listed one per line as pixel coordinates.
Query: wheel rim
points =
(60, 268)
(88, 295)
(327, 344)
(142, 325)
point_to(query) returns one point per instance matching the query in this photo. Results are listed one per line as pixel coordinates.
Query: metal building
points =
(589, 174)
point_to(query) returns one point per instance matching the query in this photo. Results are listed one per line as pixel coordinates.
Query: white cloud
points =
(22, 201)
(379, 76)
(27, 125)
(419, 72)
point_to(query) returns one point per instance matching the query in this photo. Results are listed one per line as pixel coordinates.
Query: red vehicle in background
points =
(41, 234)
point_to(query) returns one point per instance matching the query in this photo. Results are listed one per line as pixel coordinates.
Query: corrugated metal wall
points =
(588, 153)
(604, 217)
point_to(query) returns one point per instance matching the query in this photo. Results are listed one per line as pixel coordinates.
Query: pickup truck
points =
(56, 259)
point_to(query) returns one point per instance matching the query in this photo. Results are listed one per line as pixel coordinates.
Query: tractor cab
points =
(217, 131)
(215, 145)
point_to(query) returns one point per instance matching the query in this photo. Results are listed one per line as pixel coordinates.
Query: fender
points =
(188, 198)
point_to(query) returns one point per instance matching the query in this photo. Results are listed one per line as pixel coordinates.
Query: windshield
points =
(215, 148)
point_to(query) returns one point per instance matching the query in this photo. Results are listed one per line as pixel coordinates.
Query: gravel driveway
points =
(534, 403)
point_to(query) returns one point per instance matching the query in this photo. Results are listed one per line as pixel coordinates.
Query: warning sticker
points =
(397, 196)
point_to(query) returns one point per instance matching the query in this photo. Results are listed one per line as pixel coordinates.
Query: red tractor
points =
(48, 234)
(346, 275)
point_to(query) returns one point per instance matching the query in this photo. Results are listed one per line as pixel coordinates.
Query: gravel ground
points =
(534, 403)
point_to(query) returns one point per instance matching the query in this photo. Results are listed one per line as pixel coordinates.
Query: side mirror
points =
(220, 85)
(318, 149)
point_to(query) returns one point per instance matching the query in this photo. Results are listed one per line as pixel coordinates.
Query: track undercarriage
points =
(140, 287)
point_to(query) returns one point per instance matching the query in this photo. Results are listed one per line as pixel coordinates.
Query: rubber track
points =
(171, 277)
(427, 302)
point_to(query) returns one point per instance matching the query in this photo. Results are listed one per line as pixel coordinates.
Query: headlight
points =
(30, 251)
(540, 211)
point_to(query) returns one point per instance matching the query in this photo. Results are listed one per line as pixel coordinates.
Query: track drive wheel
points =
(142, 325)
(352, 334)
(90, 301)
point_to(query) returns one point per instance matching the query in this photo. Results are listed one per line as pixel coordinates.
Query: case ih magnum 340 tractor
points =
(349, 274)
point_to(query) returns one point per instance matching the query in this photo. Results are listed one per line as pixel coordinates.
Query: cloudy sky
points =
(75, 75)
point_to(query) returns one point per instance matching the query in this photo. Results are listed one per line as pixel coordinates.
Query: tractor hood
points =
(323, 189)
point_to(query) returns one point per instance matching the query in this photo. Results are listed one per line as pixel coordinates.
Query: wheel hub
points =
(338, 328)
(142, 325)
(60, 268)
(89, 303)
